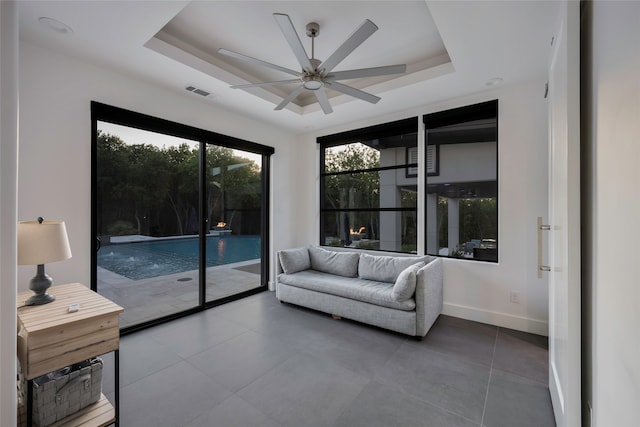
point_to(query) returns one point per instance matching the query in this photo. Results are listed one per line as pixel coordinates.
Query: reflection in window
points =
(462, 187)
(369, 188)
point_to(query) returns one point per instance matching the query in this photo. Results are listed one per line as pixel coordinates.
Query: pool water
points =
(142, 260)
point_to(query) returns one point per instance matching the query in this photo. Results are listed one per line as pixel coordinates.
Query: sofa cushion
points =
(369, 291)
(384, 268)
(332, 262)
(294, 260)
(405, 285)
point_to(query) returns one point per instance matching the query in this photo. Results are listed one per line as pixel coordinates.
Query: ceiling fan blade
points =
(321, 96)
(289, 98)
(289, 32)
(367, 72)
(357, 93)
(356, 39)
(279, 82)
(257, 61)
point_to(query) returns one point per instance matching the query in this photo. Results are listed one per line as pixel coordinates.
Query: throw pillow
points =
(384, 268)
(405, 285)
(294, 260)
(333, 262)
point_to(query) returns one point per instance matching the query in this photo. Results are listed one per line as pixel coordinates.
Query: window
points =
(179, 215)
(462, 182)
(368, 188)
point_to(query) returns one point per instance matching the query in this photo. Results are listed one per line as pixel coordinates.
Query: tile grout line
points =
(486, 395)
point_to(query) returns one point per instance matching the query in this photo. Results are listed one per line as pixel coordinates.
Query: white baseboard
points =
(504, 320)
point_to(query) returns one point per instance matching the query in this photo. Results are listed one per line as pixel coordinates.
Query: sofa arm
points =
(429, 281)
(279, 269)
(296, 262)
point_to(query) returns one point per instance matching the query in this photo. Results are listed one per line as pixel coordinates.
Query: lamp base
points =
(39, 285)
(40, 299)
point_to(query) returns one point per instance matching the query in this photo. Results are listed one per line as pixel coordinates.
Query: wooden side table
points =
(50, 338)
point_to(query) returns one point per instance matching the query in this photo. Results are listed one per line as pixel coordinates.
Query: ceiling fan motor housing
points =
(313, 80)
(313, 29)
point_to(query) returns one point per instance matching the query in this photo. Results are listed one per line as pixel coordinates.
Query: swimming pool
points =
(142, 260)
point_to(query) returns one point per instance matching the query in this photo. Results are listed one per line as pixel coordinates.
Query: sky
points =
(138, 136)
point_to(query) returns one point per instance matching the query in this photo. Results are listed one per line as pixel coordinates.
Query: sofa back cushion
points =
(384, 268)
(405, 285)
(332, 262)
(294, 260)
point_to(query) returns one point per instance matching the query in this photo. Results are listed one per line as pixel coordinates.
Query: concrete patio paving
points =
(150, 298)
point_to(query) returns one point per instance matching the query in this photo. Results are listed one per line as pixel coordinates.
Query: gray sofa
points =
(401, 293)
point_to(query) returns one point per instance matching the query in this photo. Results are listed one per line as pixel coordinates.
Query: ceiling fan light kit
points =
(316, 75)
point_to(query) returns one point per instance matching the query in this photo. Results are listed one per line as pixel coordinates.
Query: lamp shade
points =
(42, 242)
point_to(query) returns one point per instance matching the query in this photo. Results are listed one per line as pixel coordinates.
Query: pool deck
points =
(154, 297)
(133, 238)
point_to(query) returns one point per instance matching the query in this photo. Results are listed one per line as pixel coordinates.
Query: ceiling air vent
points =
(199, 91)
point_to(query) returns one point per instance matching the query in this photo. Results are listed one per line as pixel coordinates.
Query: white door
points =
(564, 218)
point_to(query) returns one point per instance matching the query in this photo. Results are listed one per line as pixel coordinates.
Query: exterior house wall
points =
(466, 163)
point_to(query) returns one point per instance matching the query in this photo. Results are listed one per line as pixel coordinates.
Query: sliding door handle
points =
(541, 227)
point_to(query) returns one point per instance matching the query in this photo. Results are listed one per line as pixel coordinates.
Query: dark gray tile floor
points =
(257, 362)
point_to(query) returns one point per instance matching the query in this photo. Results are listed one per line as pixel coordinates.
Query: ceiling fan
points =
(317, 75)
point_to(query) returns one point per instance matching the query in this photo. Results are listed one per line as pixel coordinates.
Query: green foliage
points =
(368, 245)
(409, 248)
(334, 242)
(477, 218)
(121, 228)
(457, 252)
(351, 157)
(156, 190)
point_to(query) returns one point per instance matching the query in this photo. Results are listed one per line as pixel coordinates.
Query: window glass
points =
(462, 182)
(368, 188)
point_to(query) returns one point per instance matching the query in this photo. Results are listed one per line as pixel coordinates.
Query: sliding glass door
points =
(234, 211)
(178, 215)
(147, 201)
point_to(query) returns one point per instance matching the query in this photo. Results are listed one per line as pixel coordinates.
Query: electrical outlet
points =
(514, 297)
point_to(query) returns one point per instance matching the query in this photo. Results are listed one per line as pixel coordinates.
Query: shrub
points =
(121, 228)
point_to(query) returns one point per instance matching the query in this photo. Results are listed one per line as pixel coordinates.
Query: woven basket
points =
(64, 392)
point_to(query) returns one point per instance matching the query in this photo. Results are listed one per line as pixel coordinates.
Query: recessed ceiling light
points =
(55, 25)
(494, 81)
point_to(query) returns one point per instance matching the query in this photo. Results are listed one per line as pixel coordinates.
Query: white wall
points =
(8, 194)
(55, 147)
(479, 290)
(612, 232)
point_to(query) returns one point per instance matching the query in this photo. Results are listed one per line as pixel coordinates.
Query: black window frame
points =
(399, 127)
(120, 116)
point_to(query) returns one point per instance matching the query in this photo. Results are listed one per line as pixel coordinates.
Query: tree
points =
(156, 190)
(358, 189)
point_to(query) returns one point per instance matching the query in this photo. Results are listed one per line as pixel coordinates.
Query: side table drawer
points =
(48, 350)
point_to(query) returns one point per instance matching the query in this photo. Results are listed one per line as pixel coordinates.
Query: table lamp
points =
(41, 242)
